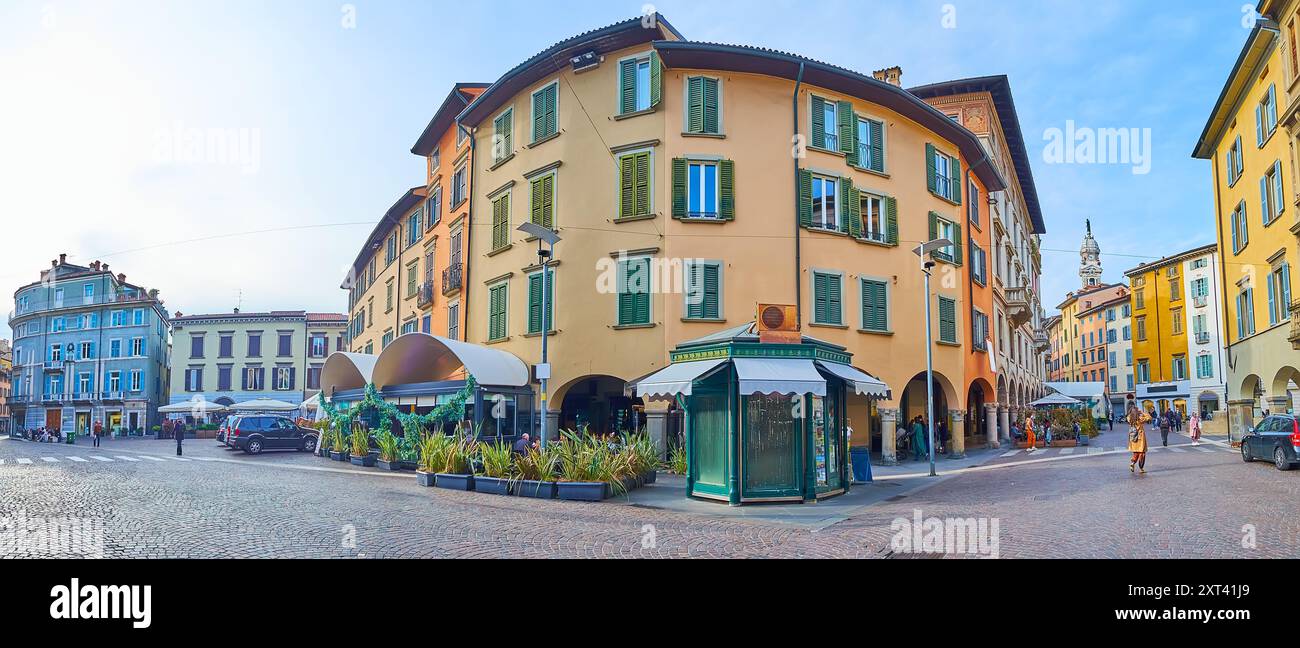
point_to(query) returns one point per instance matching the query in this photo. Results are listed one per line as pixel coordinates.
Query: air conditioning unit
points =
(778, 323)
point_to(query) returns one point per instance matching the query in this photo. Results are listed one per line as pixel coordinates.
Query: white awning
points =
(419, 357)
(196, 405)
(263, 405)
(862, 382)
(779, 376)
(675, 378)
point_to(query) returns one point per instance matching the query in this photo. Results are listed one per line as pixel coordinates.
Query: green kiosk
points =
(764, 421)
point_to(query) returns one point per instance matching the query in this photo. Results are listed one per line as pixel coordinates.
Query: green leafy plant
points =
(495, 459)
(388, 445)
(583, 458)
(538, 464)
(433, 452)
(458, 458)
(677, 460)
(360, 441)
(337, 441)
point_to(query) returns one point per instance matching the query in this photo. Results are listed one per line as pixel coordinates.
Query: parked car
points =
(225, 437)
(222, 429)
(1276, 439)
(253, 434)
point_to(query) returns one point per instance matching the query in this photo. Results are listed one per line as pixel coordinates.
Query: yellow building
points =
(1253, 160)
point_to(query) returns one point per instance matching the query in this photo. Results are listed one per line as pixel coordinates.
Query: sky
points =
(307, 110)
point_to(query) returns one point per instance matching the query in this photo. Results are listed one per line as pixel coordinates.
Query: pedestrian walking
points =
(179, 429)
(1194, 428)
(1137, 438)
(943, 435)
(1029, 432)
(1166, 423)
(1178, 421)
(918, 439)
(95, 433)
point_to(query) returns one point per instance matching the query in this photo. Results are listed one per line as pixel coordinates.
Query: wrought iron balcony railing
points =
(424, 295)
(452, 278)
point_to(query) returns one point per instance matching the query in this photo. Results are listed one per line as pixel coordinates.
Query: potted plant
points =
(495, 468)
(338, 448)
(586, 469)
(645, 460)
(388, 451)
(361, 447)
(433, 448)
(457, 467)
(535, 473)
(677, 460)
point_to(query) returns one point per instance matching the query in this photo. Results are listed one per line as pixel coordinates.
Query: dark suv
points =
(1276, 439)
(253, 434)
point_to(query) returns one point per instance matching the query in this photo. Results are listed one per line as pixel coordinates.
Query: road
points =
(144, 503)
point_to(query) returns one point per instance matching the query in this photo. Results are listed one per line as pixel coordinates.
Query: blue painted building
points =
(88, 347)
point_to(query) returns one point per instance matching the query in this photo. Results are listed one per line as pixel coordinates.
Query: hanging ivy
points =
(412, 424)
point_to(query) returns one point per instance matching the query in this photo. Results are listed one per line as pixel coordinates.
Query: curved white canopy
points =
(420, 357)
(346, 371)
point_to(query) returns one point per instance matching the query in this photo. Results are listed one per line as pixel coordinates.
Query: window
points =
(453, 321)
(193, 379)
(878, 222)
(875, 305)
(458, 189)
(973, 204)
(869, 145)
(545, 110)
(1141, 322)
(543, 201)
(634, 289)
(703, 105)
(943, 228)
(1200, 288)
(319, 345)
(286, 345)
(638, 83)
(1114, 360)
(461, 136)
(503, 137)
(1176, 321)
(410, 326)
(702, 195)
(412, 278)
(1114, 383)
(137, 347)
(1279, 294)
(1129, 379)
(1128, 357)
(390, 248)
(943, 173)
(501, 221)
(1266, 116)
(434, 208)
(226, 346)
(1204, 367)
(86, 351)
(388, 296)
(1143, 371)
(1197, 264)
(535, 303)
(1234, 163)
(118, 318)
(115, 348)
(634, 184)
(223, 378)
(1270, 194)
(196, 346)
(498, 307)
(703, 289)
(386, 339)
(947, 320)
(1178, 367)
(313, 377)
(413, 228)
(825, 124)
(1240, 230)
(254, 345)
(980, 330)
(136, 383)
(283, 378)
(254, 378)
(977, 259)
(827, 302)
(1175, 289)
(825, 203)
(1139, 299)
(1246, 312)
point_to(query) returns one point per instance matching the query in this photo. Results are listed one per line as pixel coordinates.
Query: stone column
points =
(991, 425)
(656, 425)
(1004, 422)
(1278, 404)
(888, 437)
(1241, 418)
(552, 429)
(957, 435)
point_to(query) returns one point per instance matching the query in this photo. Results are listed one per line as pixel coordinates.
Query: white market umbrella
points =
(197, 405)
(1051, 400)
(263, 405)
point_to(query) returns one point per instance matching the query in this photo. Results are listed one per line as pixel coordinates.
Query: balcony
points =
(1041, 341)
(55, 398)
(452, 278)
(424, 296)
(1200, 301)
(1203, 337)
(54, 365)
(78, 302)
(1295, 325)
(1019, 308)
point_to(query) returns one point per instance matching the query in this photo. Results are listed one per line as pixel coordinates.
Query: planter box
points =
(424, 479)
(338, 456)
(650, 477)
(408, 465)
(582, 491)
(493, 485)
(1071, 443)
(455, 482)
(367, 461)
(389, 465)
(537, 489)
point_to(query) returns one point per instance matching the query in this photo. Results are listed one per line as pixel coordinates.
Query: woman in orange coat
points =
(1029, 432)
(1137, 437)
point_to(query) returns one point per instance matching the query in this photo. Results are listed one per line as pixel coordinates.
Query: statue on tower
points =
(1090, 259)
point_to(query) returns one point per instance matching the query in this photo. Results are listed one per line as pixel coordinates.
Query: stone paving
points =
(1191, 503)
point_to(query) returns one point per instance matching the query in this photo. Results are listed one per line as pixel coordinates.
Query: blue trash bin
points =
(861, 458)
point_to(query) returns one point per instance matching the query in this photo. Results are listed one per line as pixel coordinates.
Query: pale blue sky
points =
(93, 89)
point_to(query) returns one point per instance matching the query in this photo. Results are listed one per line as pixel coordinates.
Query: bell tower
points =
(1090, 260)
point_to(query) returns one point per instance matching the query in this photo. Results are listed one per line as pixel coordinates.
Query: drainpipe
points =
(469, 240)
(1223, 281)
(798, 262)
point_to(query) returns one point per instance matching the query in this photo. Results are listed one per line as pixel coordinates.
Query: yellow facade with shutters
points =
(1159, 323)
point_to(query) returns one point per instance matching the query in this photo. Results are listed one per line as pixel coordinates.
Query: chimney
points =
(121, 277)
(63, 258)
(94, 265)
(104, 267)
(892, 75)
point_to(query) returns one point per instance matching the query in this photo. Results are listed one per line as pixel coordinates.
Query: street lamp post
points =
(544, 258)
(925, 251)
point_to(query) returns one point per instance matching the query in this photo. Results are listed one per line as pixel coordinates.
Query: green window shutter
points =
(875, 315)
(539, 116)
(956, 179)
(934, 226)
(535, 303)
(1277, 189)
(548, 202)
(656, 79)
(695, 105)
(497, 312)
(501, 222)
(727, 189)
(844, 115)
(891, 220)
(845, 194)
(833, 300)
(931, 181)
(1263, 199)
(694, 296)
(819, 122)
(877, 146)
(627, 86)
(710, 123)
(852, 156)
(947, 320)
(535, 212)
(957, 246)
(712, 281)
(820, 288)
(805, 198)
(626, 186)
(853, 210)
(634, 294)
(551, 97)
(679, 188)
(642, 183)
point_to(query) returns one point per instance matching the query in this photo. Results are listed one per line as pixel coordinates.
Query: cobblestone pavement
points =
(1191, 503)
